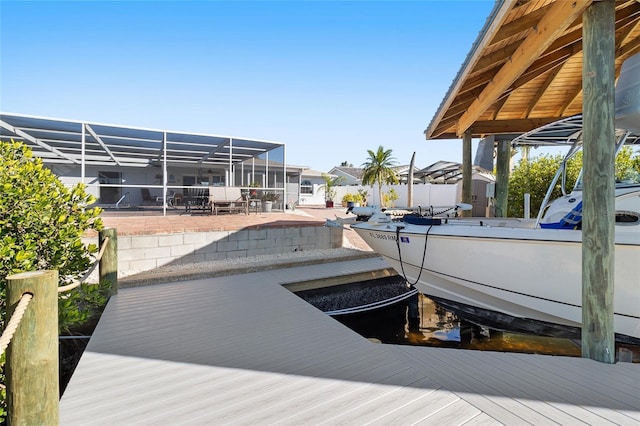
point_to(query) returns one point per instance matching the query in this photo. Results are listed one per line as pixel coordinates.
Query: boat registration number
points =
(380, 236)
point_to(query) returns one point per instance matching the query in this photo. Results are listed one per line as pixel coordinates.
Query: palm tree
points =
(378, 169)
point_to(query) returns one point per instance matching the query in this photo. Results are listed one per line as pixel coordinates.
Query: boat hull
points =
(526, 273)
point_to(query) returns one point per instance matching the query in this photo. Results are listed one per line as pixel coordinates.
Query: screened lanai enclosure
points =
(128, 167)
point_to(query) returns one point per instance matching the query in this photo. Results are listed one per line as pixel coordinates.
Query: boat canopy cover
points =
(563, 132)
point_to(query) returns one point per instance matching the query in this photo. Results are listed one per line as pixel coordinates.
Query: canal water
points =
(429, 324)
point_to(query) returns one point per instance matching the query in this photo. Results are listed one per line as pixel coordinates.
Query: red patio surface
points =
(176, 220)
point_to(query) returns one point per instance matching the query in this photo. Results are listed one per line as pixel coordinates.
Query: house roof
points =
(447, 171)
(355, 172)
(525, 68)
(60, 141)
(404, 169)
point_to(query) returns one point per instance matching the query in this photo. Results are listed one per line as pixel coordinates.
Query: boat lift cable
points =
(424, 252)
(430, 213)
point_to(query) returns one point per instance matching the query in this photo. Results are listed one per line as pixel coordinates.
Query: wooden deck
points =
(244, 350)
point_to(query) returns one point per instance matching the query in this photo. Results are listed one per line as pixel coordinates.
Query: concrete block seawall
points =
(137, 253)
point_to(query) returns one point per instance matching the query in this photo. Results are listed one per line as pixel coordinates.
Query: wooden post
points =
(466, 171)
(502, 177)
(32, 356)
(108, 267)
(598, 226)
(410, 181)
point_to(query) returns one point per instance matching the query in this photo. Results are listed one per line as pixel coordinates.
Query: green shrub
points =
(388, 198)
(41, 225)
(535, 176)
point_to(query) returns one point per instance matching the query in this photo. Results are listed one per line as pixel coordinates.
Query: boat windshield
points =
(625, 177)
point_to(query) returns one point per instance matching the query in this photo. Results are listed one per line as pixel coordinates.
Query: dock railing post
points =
(108, 267)
(32, 357)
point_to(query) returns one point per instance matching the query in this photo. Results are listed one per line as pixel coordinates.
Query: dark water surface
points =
(421, 321)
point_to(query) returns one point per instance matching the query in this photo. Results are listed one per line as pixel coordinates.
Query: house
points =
(353, 175)
(118, 162)
(311, 188)
(348, 175)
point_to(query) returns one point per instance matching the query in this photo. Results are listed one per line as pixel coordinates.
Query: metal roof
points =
(445, 171)
(60, 141)
(564, 132)
(525, 68)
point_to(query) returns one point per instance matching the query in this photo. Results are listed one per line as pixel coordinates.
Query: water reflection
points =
(422, 321)
(440, 328)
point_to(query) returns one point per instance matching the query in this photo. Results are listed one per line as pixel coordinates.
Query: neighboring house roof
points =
(357, 172)
(404, 170)
(309, 173)
(448, 172)
(354, 172)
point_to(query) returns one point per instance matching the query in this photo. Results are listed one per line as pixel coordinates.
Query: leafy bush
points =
(41, 225)
(351, 198)
(535, 176)
(388, 198)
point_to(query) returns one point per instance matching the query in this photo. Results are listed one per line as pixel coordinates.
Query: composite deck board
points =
(536, 394)
(454, 376)
(591, 396)
(509, 381)
(244, 350)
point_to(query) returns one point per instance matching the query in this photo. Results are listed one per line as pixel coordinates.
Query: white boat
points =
(518, 270)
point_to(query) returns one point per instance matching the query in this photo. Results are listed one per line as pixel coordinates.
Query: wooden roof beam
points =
(626, 31)
(547, 82)
(541, 67)
(494, 59)
(552, 25)
(545, 64)
(629, 49)
(498, 106)
(570, 98)
(517, 26)
(492, 127)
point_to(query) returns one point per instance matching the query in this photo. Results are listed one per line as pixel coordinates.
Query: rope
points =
(71, 286)
(12, 326)
(374, 305)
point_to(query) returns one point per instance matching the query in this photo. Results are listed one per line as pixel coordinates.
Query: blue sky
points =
(330, 79)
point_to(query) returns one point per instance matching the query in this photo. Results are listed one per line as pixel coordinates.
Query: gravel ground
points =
(355, 294)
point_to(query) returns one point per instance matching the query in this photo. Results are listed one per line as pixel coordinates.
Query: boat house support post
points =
(502, 177)
(466, 170)
(598, 245)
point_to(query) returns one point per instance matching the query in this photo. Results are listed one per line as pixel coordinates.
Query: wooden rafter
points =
(517, 26)
(498, 107)
(570, 98)
(546, 64)
(495, 59)
(492, 127)
(541, 91)
(629, 49)
(550, 27)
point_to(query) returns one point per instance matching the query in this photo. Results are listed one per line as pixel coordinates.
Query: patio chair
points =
(146, 196)
(171, 195)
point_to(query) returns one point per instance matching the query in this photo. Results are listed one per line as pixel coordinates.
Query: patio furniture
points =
(255, 204)
(228, 199)
(146, 196)
(170, 198)
(196, 198)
